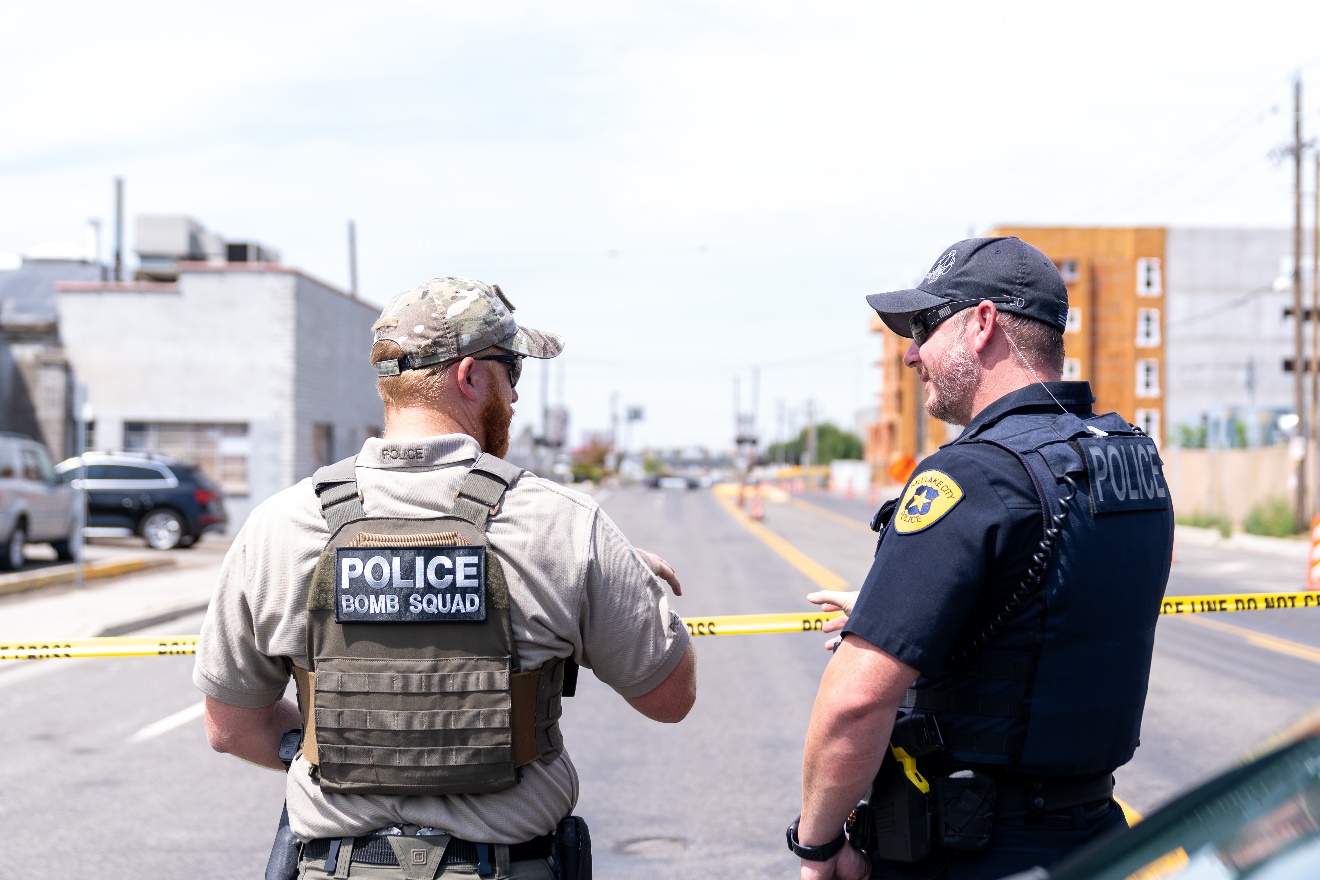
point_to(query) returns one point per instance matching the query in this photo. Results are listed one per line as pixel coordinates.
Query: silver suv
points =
(35, 505)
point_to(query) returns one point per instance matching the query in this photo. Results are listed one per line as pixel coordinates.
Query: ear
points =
(467, 377)
(981, 326)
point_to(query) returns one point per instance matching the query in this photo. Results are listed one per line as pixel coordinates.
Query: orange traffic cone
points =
(873, 496)
(848, 490)
(1313, 562)
(758, 511)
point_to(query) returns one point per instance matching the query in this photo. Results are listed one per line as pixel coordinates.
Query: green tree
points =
(831, 443)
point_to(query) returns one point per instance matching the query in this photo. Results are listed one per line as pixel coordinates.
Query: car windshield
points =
(1260, 821)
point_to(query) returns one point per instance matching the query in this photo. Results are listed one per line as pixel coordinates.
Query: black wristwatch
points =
(821, 853)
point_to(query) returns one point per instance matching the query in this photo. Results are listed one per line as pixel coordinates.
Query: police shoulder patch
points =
(929, 496)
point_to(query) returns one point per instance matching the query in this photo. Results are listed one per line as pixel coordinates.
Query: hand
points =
(847, 864)
(834, 600)
(661, 569)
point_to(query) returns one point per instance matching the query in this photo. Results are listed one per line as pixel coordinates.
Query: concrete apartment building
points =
(252, 369)
(1173, 327)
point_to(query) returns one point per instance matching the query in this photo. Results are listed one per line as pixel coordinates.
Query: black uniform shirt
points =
(962, 535)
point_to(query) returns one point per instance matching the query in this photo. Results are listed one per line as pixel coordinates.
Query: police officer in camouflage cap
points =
(432, 601)
(446, 318)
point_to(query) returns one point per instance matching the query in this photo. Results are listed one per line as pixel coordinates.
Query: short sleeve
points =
(631, 638)
(254, 626)
(960, 538)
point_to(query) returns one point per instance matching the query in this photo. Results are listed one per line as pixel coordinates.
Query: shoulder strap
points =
(481, 489)
(336, 487)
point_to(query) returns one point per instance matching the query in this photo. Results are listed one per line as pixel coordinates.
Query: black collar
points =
(1076, 398)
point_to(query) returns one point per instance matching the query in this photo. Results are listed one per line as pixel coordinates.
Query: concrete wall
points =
(1230, 481)
(214, 348)
(1223, 314)
(336, 384)
(268, 348)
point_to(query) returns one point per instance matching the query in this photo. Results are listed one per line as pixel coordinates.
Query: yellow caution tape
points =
(747, 624)
(719, 625)
(1239, 602)
(118, 646)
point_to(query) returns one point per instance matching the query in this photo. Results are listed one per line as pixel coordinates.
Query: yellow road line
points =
(1260, 640)
(1132, 816)
(831, 515)
(817, 573)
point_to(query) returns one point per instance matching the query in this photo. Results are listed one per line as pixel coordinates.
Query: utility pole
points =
(119, 229)
(1299, 349)
(811, 432)
(1314, 433)
(352, 259)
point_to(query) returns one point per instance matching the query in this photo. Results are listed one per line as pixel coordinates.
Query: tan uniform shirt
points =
(576, 586)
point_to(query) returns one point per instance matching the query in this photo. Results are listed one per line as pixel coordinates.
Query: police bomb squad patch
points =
(410, 584)
(929, 496)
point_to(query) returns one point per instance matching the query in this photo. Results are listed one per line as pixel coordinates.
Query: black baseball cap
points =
(1016, 276)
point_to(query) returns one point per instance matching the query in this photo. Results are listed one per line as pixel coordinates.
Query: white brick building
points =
(254, 371)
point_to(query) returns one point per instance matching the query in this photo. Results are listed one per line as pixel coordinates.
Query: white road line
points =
(169, 722)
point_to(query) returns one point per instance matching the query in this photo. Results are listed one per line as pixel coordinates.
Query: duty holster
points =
(571, 854)
(283, 861)
(905, 817)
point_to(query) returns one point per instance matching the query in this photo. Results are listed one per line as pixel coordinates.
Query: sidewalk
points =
(1291, 548)
(107, 607)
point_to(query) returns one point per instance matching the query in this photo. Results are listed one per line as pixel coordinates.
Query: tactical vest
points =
(1058, 687)
(414, 686)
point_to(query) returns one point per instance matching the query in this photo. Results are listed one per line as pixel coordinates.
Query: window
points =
(1148, 327)
(1072, 369)
(31, 466)
(1148, 277)
(127, 472)
(323, 444)
(1148, 378)
(1148, 420)
(1070, 270)
(1074, 322)
(219, 450)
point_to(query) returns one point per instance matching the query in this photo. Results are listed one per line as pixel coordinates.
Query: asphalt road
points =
(106, 771)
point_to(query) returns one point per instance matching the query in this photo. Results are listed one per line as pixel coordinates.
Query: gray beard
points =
(955, 384)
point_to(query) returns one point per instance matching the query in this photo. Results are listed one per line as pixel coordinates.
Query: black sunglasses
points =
(923, 323)
(513, 361)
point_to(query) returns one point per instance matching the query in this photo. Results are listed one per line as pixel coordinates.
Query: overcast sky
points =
(683, 191)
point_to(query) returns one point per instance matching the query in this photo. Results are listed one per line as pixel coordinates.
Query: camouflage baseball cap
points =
(447, 318)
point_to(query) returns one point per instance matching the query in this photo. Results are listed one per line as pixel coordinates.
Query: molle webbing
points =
(403, 707)
(534, 714)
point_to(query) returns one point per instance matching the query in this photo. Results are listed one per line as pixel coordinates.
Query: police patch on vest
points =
(929, 496)
(1125, 473)
(410, 584)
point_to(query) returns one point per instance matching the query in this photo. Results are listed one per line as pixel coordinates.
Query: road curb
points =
(59, 575)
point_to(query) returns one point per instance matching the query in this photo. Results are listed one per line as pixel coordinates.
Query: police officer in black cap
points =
(992, 671)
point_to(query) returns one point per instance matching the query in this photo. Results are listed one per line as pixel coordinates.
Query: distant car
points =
(1260, 820)
(35, 506)
(166, 502)
(673, 483)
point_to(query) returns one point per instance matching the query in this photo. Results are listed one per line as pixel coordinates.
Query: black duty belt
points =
(375, 849)
(1018, 796)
